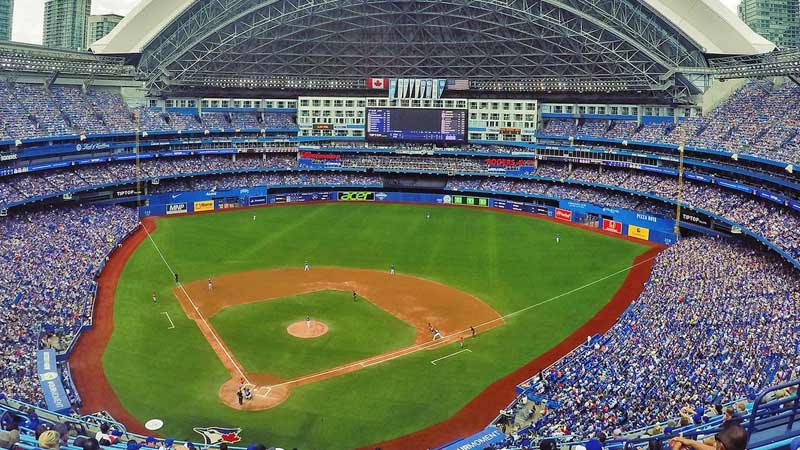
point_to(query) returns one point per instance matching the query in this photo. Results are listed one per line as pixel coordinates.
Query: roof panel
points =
(713, 26)
(140, 26)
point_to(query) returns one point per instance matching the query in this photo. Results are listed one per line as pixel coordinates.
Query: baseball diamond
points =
(448, 277)
(400, 225)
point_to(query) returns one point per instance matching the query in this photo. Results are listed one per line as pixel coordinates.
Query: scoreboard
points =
(416, 125)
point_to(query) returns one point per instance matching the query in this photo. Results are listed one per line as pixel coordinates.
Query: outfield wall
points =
(624, 222)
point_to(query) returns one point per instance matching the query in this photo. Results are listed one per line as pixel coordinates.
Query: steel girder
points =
(491, 40)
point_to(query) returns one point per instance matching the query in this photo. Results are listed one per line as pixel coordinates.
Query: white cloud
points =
(28, 16)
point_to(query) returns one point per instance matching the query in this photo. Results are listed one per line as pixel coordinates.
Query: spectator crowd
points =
(716, 322)
(48, 259)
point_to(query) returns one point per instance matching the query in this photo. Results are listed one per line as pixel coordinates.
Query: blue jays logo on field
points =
(216, 435)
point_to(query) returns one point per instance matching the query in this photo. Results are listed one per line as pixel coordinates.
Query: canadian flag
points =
(378, 83)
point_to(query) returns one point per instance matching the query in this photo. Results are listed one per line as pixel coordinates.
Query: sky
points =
(28, 15)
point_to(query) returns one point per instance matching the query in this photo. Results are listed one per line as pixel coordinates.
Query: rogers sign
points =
(506, 162)
(327, 156)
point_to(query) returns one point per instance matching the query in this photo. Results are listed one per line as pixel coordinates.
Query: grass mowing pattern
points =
(506, 260)
(256, 333)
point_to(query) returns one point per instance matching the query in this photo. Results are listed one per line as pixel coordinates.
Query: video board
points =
(416, 125)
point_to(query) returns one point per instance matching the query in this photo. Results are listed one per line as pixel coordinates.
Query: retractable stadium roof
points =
(622, 45)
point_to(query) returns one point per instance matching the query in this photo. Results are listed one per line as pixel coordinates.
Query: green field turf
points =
(256, 333)
(508, 261)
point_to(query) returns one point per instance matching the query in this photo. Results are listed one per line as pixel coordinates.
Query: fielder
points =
(391, 269)
(306, 267)
(558, 238)
(428, 215)
(155, 299)
(308, 322)
(210, 284)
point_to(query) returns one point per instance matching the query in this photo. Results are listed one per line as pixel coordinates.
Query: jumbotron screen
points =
(417, 125)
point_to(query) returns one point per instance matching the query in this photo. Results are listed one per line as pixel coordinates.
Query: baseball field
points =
(373, 372)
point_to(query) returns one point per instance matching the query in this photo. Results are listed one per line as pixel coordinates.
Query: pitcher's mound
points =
(306, 331)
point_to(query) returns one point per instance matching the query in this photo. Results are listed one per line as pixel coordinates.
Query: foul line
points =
(466, 332)
(197, 310)
(451, 354)
(171, 324)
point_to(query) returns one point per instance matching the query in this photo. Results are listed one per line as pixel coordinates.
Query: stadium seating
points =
(49, 259)
(686, 345)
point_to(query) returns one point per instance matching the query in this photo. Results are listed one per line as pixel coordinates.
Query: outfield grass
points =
(508, 261)
(256, 333)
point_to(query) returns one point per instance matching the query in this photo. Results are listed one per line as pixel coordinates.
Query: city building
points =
(100, 25)
(776, 20)
(65, 23)
(6, 14)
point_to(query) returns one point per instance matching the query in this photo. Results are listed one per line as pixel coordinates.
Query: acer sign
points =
(564, 214)
(356, 196)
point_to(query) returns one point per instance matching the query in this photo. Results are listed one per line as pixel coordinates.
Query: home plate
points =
(154, 424)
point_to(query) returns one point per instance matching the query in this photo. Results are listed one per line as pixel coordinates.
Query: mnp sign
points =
(177, 208)
(479, 441)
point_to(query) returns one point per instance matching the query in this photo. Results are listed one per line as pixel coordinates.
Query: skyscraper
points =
(65, 23)
(6, 14)
(776, 20)
(99, 26)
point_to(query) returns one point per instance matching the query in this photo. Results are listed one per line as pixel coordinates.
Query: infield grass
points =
(256, 333)
(508, 261)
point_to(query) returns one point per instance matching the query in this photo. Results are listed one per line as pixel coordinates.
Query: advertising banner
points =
(695, 218)
(508, 204)
(128, 192)
(54, 394)
(301, 197)
(177, 208)
(467, 200)
(258, 200)
(204, 205)
(486, 438)
(356, 196)
(612, 226)
(409, 197)
(227, 202)
(563, 214)
(639, 232)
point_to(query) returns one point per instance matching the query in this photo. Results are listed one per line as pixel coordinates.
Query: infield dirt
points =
(417, 301)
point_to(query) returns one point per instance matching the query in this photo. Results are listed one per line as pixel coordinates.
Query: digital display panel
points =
(416, 125)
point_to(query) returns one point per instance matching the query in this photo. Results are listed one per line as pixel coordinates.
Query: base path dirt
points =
(417, 301)
(307, 330)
